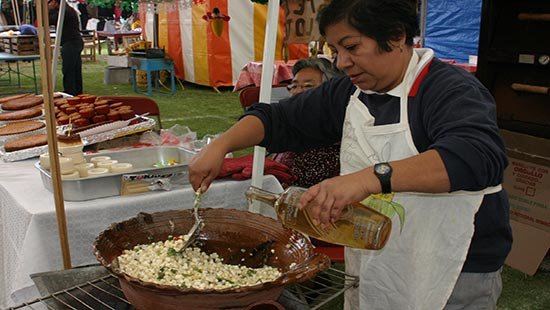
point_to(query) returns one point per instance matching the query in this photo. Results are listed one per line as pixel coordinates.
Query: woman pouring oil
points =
(412, 127)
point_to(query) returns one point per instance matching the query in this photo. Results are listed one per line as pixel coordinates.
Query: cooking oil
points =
(358, 226)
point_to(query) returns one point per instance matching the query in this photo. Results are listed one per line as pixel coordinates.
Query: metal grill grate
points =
(105, 293)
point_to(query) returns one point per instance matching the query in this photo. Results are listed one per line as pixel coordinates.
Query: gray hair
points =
(326, 67)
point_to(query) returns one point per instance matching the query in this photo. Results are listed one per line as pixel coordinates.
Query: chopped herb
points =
(161, 274)
(220, 279)
(172, 252)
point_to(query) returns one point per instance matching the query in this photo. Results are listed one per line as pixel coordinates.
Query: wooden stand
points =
(47, 92)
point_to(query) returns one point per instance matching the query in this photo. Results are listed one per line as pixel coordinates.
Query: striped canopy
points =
(203, 57)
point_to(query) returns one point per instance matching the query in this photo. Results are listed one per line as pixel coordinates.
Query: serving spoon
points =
(196, 228)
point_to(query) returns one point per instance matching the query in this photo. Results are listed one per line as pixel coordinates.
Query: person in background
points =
(82, 8)
(312, 166)
(419, 137)
(71, 47)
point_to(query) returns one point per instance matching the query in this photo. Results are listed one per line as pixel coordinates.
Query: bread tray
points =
(107, 185)
(145, 125)
(41, 117)
(22, 154)
(6, 138)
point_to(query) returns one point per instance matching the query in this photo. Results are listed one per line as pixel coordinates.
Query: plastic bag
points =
(150, 138)
(175, 135)
(199, 144)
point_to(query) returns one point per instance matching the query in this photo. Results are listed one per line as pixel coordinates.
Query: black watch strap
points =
(383, 172)
(386, 185)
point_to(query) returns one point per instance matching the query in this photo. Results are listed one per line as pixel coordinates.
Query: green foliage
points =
(125, 5)
(133, 5)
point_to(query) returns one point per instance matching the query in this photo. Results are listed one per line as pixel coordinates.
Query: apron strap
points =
(357, 92)
(492, 189)
(486, 191)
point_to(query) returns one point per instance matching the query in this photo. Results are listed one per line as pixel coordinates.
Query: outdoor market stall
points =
(32, 218)
(29, 235)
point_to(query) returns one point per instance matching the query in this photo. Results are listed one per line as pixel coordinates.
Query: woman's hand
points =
(328, 198)
(205, 166)
(424, 173)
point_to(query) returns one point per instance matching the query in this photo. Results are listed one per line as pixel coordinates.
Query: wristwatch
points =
(383, 173)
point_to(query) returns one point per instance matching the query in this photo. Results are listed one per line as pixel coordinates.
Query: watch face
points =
(382, 168)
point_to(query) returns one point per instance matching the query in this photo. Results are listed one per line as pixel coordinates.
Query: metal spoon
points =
(196, 228)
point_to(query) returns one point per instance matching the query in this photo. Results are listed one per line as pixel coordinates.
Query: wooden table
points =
(116, 35)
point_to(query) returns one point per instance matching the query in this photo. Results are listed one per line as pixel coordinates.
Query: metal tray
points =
(22, 154)
(92, 287)
(107, 185)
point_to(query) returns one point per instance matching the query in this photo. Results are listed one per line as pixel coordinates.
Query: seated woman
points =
(312, 166)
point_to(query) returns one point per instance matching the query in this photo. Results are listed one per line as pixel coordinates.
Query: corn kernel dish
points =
(238, 237)
(165, 263)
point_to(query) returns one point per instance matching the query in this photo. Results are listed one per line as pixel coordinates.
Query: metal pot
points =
(239, 237)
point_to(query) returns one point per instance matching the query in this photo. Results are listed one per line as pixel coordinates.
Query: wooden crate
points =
(5, 44)
(27, 45)
(20, 45)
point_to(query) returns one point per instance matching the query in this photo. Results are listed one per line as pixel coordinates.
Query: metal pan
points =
(143, 161)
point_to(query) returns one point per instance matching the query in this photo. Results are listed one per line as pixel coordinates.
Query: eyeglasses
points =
(295, 86)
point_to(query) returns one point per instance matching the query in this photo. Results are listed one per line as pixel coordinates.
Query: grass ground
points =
(208, 112)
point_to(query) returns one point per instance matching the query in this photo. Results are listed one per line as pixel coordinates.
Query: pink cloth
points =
(251, 74)
(240, 168)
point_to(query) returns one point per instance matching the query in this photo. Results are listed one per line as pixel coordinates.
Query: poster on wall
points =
(301, 20)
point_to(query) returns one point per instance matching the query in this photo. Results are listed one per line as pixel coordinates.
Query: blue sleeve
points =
(309, 120)
(461, 121)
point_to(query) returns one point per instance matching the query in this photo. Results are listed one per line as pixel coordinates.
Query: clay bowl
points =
(234, 235)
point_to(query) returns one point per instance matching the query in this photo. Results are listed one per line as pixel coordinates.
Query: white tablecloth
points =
(29, 239)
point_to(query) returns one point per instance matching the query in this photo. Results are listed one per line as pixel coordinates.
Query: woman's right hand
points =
(205, 166)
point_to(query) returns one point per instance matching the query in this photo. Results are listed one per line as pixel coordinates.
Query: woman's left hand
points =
(327, 199)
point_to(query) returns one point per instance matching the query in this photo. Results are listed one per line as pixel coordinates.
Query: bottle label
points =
(366, 231)
(292, 209)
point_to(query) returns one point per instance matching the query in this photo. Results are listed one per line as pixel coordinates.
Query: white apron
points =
(419, 265)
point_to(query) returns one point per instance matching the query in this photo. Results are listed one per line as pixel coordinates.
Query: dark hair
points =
(322, 64)
(381, 20)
